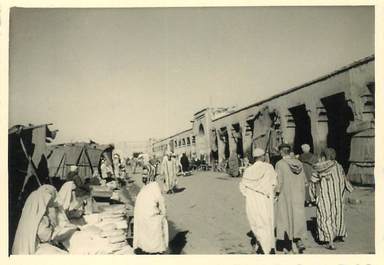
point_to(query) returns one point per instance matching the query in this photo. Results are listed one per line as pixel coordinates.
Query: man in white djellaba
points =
(169, 171)
(257, 185)
(150, 223)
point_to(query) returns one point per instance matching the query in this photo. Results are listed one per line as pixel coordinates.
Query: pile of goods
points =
(101, 191)
(114, 214)
(107, 230)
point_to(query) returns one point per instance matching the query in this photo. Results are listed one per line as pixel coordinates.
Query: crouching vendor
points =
(39, 230)
(44, 229)
(82, 188)
(72, 206)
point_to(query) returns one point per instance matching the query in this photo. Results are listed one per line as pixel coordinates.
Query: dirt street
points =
(208, 217)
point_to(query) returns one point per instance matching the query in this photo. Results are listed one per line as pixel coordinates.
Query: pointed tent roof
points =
(84, 155)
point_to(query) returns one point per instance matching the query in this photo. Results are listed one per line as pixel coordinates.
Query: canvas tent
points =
(27, 166)
(86, 156)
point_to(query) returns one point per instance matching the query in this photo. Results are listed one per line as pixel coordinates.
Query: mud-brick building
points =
(336, 110)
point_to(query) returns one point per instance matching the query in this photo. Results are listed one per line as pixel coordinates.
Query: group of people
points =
(52, 222)
(113, 171)
(150, 223)
(275, 199)
(169, 168)
(274, 205)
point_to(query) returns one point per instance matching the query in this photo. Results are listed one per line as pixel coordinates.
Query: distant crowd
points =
(275, 200)
(276, 197)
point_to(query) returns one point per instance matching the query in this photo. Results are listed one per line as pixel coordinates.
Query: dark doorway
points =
(303, 134)
(339, 116)
(238, 139)
(224, 137)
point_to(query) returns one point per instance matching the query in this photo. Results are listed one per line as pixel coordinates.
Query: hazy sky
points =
(130, 74)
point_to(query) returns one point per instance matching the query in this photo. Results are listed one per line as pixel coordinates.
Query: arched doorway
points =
(201, 130)
(339, 116)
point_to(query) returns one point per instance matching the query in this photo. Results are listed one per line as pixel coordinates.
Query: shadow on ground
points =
(177, 190)
(178, 239)
(225, 178)
(177, 242)
(312, 228)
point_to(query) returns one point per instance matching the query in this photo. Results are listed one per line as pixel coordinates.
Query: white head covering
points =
(73, 168)
(306, 148)
(257, 152)
(33, 211)
(65, 196)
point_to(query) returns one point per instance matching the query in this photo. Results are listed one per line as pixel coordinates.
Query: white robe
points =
(169, 171)
(66, 196)
(257, 185)
(35, 207)
(150, 224)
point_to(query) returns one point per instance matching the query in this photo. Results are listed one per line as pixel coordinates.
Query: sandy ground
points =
(208, 217)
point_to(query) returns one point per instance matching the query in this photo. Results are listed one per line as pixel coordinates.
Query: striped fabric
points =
(150, 172)
(328, 188)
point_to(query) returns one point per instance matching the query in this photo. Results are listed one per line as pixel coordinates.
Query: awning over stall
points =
(86, 156)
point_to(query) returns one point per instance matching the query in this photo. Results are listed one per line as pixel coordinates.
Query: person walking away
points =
(328, 187)
(308, 159)
(184, 164)
(257, 185)
(290, 211)
(233, 165)
(150, 226)
(168, 171)
(178, 169)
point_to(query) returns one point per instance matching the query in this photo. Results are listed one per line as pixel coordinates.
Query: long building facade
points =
(336, 110)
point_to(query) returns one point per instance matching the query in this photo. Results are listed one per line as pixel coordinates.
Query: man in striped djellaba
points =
(327, 189)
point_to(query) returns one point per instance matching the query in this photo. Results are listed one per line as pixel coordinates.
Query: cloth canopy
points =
(27, 166)
(86, 156)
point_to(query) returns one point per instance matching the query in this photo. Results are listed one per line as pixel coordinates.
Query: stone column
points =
(221, 148)
(319, 125)
(231, 141)
(247, 139)
(311, 109)
(287, 126)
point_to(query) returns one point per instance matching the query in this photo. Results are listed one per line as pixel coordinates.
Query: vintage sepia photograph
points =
(191, 130)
